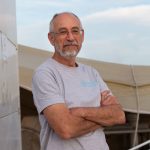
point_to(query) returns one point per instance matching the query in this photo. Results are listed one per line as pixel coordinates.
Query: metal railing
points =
(140, 145)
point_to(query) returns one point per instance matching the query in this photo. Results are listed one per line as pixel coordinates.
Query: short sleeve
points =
(45, 90)
(102, 85)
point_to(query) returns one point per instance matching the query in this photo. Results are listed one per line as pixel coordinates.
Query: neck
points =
(71, 62)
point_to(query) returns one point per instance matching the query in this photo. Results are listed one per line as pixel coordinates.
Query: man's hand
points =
(108, 99)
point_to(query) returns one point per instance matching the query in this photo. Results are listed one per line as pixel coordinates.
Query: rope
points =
(138, 114)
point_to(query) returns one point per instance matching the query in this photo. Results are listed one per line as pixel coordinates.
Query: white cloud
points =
(53, 3)
(34, 4)
(137, 14)
(34, 36)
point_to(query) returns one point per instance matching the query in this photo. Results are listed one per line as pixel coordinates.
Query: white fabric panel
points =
(131, 84)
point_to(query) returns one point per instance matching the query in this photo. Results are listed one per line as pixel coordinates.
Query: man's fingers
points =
(105, 94)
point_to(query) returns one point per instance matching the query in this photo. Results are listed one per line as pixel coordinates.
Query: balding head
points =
(52, 22)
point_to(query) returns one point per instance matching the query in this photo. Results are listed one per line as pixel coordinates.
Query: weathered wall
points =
(10, 129)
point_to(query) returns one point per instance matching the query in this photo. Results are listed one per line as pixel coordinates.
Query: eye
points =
(75, 31)
(63, 32)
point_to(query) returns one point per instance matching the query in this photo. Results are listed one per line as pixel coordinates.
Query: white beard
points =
(67, 54)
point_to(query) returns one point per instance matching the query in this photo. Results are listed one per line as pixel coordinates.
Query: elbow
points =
(122, 118)
(120, 114)
(65, 133)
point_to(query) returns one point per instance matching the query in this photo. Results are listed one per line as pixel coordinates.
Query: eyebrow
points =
(63, 28)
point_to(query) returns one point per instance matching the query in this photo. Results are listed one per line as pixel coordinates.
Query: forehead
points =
(66, 21)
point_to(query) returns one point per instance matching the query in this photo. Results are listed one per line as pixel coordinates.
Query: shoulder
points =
(45, 70)
(48, 64)
(88, 68)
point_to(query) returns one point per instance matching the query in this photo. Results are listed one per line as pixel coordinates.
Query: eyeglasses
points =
(64, 32)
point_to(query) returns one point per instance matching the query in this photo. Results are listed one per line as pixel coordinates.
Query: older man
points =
(73, 102)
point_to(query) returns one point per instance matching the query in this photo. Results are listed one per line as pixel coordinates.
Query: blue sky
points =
(115, 31)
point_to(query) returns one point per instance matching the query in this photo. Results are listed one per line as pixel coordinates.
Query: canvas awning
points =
(130, 84)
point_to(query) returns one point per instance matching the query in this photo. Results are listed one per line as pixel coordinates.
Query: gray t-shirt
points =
(77, 87)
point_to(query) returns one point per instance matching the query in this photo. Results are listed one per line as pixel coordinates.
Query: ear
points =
(51, 38)
(82, 35)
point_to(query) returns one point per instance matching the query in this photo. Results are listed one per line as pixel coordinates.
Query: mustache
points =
(74, 43)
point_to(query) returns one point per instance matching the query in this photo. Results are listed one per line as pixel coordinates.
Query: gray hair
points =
(51, 24)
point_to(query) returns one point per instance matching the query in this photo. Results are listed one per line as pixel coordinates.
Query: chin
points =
(70, 53)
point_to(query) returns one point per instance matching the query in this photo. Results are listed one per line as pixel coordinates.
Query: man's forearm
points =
(66, 124)
(84, 127)
(105, 115)
(80, 126)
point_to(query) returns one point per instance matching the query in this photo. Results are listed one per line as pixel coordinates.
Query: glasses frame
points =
(66, 33)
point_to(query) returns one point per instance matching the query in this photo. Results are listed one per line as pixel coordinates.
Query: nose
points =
(70, 36)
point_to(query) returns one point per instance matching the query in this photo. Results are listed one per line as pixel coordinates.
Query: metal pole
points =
(140, 145)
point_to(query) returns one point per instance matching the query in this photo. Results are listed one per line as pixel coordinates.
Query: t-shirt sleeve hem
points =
(46, 103)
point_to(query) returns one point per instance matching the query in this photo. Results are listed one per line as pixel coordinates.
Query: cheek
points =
(59, 44)
(80, 40)
(80, 43)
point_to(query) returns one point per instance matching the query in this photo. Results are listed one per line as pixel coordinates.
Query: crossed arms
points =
(74, 122)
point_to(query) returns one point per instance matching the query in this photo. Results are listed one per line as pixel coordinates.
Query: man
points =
(73, 102)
